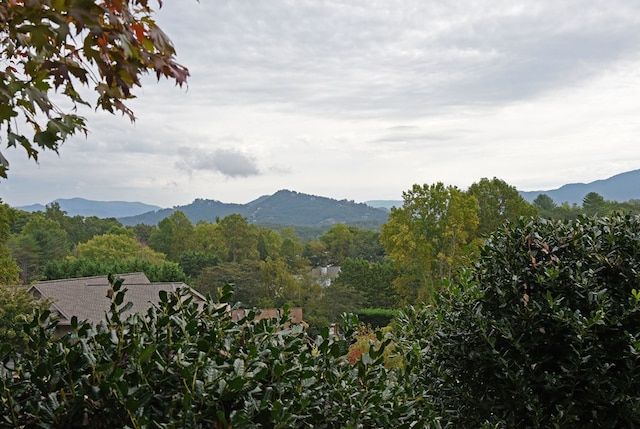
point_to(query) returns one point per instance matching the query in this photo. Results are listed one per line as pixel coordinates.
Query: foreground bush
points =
(182, 367)
(545, 332)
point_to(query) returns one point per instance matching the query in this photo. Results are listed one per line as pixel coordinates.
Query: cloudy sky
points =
(360, 99)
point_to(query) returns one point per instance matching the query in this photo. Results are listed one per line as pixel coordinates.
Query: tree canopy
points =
(426, 237)
(498, 202)
(112, 248)
(57, 46)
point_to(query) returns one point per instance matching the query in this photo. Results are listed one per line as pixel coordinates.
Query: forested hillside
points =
(285, 208)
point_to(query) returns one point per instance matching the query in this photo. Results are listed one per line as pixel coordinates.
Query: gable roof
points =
(86, 297)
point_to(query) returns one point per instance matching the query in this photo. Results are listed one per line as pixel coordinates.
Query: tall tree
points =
(594, 204)
(339, 240)
(269, 243)
(207, 238)
(193, 262)
(292, 250)
(9, 270)
(317, 253)
(366, 245)
(174, 236)
(427, 237)
(60, 46)
(498, 203)
(239, 237)
(278, 286)
(544, 202)
(143, 232)
(78, 228)
(245, 276)
(41, 240)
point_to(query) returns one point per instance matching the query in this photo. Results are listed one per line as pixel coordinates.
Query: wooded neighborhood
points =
(415, 281)
(469, 308)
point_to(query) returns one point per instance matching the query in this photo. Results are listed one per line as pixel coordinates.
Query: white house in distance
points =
(325, 275)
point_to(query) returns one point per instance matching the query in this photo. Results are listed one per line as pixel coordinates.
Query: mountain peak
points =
(284, 207)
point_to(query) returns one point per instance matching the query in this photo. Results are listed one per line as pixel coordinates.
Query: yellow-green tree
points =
(428, 238)
(16, 305)
(269, 243)
(240, 239)
(207, 238)
(278, 285)
(339, 241)
(174, 236)
(15, 302)
(9, 270)
(114, 248)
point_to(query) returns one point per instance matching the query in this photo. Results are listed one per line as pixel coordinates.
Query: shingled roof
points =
(86, 297)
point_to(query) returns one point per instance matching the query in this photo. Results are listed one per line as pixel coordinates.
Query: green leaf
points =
(7, 112)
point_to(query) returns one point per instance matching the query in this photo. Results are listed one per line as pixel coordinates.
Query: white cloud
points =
(229, 162)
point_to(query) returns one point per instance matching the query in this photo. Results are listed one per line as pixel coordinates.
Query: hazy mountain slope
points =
(621, 187)
(384, 204)
(282, 208)
(290, 208)
(103, 209)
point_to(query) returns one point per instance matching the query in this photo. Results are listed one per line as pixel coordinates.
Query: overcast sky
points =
(360, 99)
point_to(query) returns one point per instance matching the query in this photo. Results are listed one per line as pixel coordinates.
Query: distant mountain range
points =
(290, 208)
(621, 187)
(103, 209)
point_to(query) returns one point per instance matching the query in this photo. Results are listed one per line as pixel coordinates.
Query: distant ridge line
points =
(292, 208)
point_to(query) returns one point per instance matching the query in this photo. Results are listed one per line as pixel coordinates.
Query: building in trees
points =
(89, 298)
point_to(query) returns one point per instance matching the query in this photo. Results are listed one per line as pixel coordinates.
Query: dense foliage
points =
(179, 366)
(543, 333)
(426, 238)
(16, 307)
(593, 204)
(74, 268)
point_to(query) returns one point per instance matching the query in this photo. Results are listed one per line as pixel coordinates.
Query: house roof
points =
(86, 297)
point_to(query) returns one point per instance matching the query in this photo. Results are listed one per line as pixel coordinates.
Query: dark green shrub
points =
(545, 332)
(156, 272)
(376, 317)
(178, 366)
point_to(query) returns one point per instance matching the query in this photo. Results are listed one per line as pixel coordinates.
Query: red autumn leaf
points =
(139, 31)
